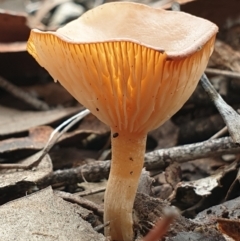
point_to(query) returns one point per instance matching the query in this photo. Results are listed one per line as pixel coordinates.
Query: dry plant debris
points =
(15, 121)
(45, 216)
(197, 169)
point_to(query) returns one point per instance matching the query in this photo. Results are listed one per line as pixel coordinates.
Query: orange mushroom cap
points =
(133, 66)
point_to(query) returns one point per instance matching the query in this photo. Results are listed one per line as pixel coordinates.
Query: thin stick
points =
(101, 226)
(90, 192)
(159, 159)
(229, 115)
(220, 133)
(81, 201)
(223, 72)
(24, 96)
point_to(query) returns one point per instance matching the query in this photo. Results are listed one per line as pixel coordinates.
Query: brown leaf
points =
(229, 227)
(217, 11)
(13, 27)
(173, 174)
(38, 137)
(44, 216)
(13, 177)
(14, 121)
(14, 32)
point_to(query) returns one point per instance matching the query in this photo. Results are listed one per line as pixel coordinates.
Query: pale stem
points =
(128, 151)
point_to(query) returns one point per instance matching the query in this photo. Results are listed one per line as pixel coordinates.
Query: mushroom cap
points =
(178, 34)
(133, 66)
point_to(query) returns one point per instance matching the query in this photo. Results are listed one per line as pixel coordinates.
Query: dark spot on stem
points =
(131, 172)
(115, 135)
(130, 158)
(97, 109)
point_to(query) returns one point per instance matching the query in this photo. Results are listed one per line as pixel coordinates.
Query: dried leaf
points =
(229, 227)
(37, 139)
(13, 29)
(12, 177)
(191, 193)
(14, 121)
(46, 217)
(173, 174)
(217, 11)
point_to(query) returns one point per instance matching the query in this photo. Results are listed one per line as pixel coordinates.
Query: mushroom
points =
(133, 67)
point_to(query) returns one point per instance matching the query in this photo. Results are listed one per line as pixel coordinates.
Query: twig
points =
(90, 192)
(81, 201)
(162, 158)
(9, 166)
(17, 92)
(101, 226)
(92, 172)
(159, 159)
(220, 133)
(229, 115)
(223, 72)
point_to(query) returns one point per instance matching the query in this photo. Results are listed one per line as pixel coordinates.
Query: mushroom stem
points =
(127, 162)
